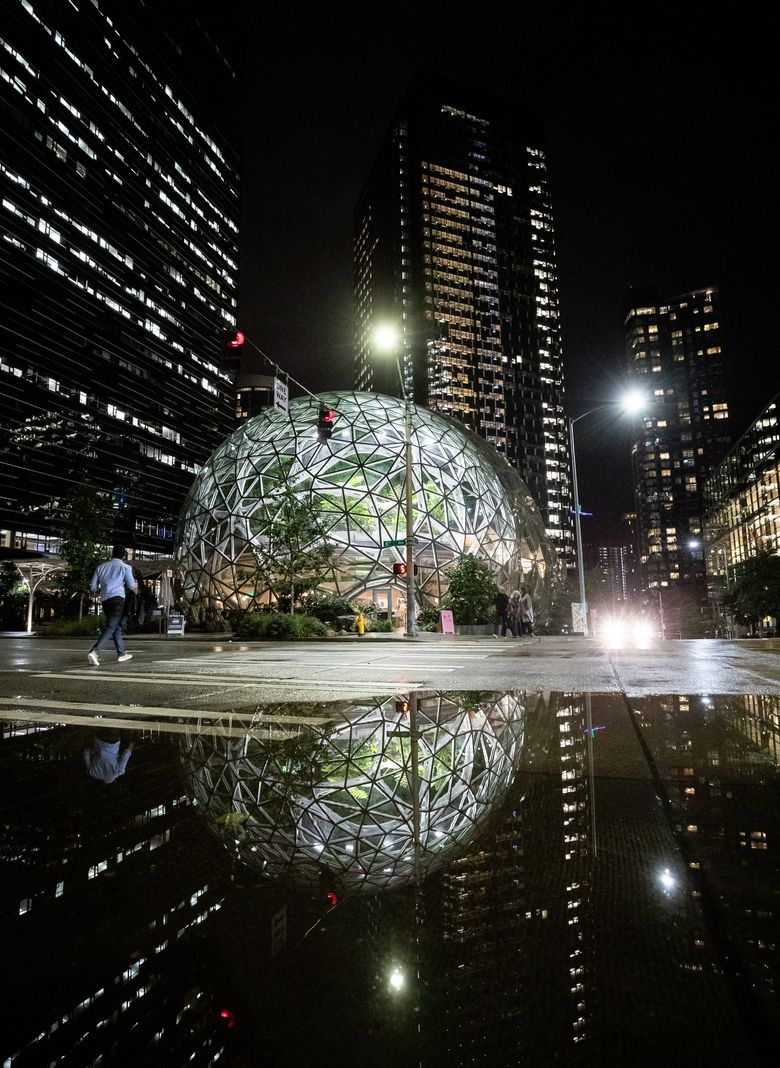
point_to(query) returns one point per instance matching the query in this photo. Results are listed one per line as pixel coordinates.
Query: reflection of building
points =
(742, 497)
(466, 499)
(515, 906)
(454, 243)
(104, 889)
(372, 792)
(718, 759)
(675, 355)
(119, 210)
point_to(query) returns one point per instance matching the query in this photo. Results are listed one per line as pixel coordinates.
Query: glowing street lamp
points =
(397, 980)
(631, 403)
(387, 340)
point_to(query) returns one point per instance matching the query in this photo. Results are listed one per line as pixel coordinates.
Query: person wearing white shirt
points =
(111, 580)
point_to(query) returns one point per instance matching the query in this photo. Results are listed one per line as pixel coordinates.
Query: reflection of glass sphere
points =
(467, 499)
(336, 786)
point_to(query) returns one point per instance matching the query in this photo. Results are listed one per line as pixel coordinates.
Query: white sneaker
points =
(93, 659)
(125, 656)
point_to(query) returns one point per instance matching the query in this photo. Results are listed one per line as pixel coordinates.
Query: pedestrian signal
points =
(403, 569)
(235, 339)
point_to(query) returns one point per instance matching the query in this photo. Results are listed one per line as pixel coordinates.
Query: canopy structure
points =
(34, 569)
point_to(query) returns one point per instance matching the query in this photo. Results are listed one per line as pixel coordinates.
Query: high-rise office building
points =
(454, 247)
(118, 265)
(675, 355)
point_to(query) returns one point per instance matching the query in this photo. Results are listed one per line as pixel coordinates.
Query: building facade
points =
(675, 356)
(742, 497)
(454, 246)
(119, 262)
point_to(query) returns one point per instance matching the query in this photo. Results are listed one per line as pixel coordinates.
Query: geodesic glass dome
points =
(337, 786)
(467, 499)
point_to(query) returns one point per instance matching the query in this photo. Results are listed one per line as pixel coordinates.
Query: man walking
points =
(501, 604)
(111, 580)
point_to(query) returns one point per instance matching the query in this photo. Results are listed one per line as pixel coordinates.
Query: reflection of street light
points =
(631, 403)
(397, 979)
(386, 340)
(667, 880)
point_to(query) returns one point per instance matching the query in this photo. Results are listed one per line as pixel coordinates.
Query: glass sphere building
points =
(466, 499)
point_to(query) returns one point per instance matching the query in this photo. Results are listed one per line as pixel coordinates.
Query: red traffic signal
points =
(332, 899)
(228, 1018)
(235, 340)
(402, 569)
(325, 421)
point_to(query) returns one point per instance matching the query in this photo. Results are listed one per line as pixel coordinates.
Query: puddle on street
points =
(422, 879)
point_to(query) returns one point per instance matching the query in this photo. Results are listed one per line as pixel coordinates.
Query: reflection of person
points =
(103, 759)
(501, 603)
(526, 612)
(111, 580)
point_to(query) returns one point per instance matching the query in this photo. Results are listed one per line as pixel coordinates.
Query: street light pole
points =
(411, 610)
(578, 524)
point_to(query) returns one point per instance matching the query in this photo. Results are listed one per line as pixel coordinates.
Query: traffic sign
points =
(394, 542)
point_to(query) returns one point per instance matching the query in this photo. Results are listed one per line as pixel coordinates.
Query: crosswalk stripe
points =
(379, 688)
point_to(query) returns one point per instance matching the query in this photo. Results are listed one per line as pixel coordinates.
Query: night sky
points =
(659, 131)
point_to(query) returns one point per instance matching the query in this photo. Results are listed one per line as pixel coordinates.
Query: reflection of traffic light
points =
(235, 339)
(325, 423)
(227, 1018)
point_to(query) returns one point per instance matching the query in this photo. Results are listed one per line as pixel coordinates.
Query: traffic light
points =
(235, 339)
(402, 706)
(402, 569)
(325, 423)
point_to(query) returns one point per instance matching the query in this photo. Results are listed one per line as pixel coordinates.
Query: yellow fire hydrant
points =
(361, 624)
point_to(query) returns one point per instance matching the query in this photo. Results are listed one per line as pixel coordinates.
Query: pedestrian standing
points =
(514, 613)
(501, 603)
(526, 612)
(112, 580)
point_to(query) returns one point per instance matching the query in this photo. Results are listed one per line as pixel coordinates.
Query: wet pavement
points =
(410, 876)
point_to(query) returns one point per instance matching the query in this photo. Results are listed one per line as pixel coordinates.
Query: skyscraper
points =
(119, 183)
(454, 246)
(674, 353)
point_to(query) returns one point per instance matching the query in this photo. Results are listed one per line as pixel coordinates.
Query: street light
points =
(631, 403)
(386, 340)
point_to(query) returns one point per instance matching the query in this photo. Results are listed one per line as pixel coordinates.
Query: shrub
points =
(88, 627)
(278, 625)
(328, 607)
(471, 591)
(428, 618)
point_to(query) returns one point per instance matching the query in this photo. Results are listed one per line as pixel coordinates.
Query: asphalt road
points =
(169, 679)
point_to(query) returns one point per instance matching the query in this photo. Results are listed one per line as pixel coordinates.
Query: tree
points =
(85, 527)
(471, 590)
(756, 592)
(291, 551)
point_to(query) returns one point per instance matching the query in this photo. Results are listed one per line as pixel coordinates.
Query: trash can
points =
(175, 626)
